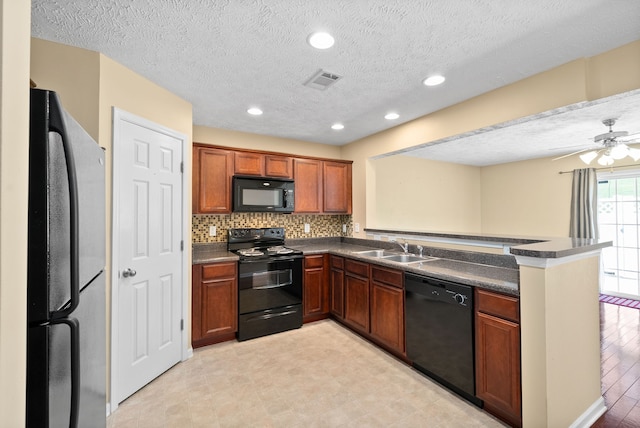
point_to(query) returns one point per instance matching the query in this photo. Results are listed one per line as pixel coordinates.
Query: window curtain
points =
(584, 204)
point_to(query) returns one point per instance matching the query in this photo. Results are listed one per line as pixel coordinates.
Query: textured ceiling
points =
(225, 56)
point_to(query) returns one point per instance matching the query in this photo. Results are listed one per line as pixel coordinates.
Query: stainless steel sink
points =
(375, 253)
(405, 258)
(394, 256)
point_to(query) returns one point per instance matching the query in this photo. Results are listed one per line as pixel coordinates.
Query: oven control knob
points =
(460, 298)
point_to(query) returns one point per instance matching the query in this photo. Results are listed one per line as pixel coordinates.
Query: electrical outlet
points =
(356, 227)
(344, 228)
(212, 230)
(307, 228)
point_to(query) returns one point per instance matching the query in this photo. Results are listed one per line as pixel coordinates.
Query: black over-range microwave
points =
(259, 194)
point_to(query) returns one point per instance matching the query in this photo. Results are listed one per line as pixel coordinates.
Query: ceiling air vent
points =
(322, 80)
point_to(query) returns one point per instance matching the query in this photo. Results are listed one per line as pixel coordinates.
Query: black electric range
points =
(269, 282)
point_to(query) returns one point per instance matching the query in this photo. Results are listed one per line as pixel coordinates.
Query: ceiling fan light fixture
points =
(589, 156)
(605, 160)
(634, 153)
(619, 151)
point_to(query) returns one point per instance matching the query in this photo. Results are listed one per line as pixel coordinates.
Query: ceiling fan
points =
(613, 147)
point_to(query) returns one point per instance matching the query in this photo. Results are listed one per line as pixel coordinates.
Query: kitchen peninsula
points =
(559, 323)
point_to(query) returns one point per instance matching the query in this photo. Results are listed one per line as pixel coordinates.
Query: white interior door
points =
(149, 261)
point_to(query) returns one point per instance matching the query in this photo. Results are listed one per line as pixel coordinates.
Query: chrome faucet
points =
(405, 246)
(420, 249)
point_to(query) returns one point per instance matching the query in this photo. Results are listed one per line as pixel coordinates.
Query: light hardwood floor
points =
(620, 347)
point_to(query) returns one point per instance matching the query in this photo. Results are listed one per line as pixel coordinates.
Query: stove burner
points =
(251, 252)
(280, 250)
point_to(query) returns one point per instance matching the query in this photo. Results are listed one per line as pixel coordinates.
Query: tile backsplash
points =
(319, 225)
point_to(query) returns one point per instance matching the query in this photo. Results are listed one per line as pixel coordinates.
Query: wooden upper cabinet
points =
(247, 163)
(263, 165)
(212, 172)
(337, 187)
(321, 186)
(307, 174)
(278, 166)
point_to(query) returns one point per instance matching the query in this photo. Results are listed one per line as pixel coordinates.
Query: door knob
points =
(128, 272)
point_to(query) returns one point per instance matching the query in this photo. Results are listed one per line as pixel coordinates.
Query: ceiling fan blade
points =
(575, 146)
(571, 154)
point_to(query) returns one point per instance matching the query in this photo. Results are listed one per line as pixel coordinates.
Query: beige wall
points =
(74, 74)
(559, 318)
(527, 198)
(443, 197)
(246, 140)
(14, 159)
(90, 85)
(508, 191)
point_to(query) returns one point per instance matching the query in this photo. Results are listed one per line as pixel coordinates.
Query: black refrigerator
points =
(66, 350)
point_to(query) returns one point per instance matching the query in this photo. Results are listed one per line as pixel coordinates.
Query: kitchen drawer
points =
(314, 261)
(356, 268)
(337, 262)
(386, 276)
(218, 271)
(500, 305)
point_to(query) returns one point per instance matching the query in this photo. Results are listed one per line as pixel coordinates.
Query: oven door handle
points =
(271, 315)
(266, 287)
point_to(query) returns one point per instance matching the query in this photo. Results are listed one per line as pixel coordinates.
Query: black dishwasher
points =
(439, 332)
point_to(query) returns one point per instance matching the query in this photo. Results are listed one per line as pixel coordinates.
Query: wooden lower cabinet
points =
(498, 375)
(315, 292)
(336, 285)
(387, 307)
(372, 301)
(356, 295)
(214, 303)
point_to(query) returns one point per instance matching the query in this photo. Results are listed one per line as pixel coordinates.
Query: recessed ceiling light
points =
(254, 111)
(320, 40)
(433, 80)
(391, 116)
(337, 126)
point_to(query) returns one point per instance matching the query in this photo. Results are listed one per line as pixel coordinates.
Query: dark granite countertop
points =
(538, 247)
(496, 272)
(501, 279)
(211, 253)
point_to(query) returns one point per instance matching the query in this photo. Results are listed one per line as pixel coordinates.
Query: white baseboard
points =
(188, 353)
(591, 415)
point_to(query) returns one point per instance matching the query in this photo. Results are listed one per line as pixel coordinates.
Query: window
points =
(618, 221)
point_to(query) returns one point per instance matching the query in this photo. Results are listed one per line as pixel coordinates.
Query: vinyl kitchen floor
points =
(321, 375)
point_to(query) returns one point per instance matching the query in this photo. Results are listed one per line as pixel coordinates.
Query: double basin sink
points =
(394, 256)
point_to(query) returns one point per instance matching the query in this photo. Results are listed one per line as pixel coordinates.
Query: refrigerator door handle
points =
(74, 332)
(56, 124)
